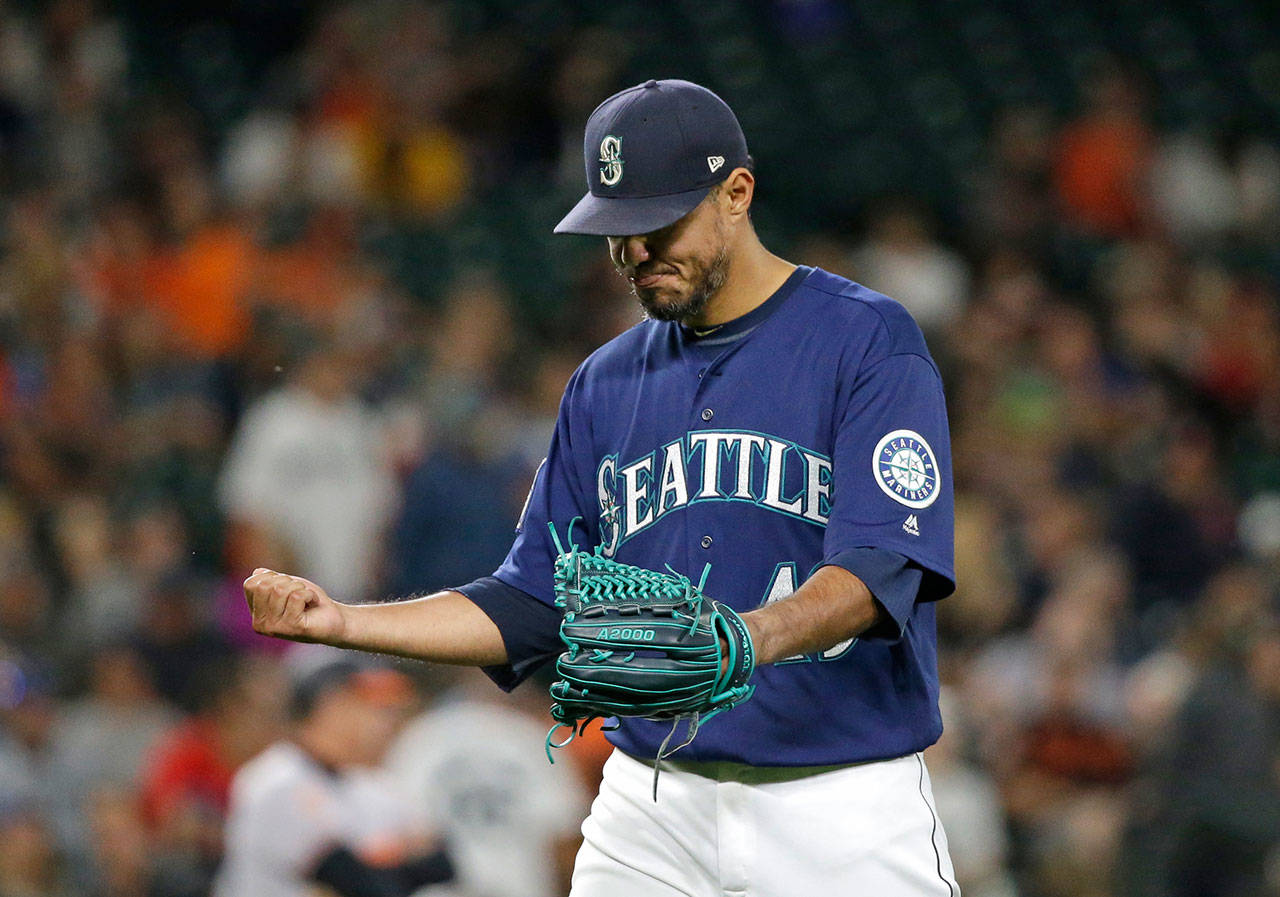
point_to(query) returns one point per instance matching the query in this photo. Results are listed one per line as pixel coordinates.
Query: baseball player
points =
(785, 426)
(478, 767)
(312, 814)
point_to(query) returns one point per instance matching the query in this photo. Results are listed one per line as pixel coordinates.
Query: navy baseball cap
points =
(652, 153)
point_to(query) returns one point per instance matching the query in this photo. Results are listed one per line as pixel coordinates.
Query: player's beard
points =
(705, 282)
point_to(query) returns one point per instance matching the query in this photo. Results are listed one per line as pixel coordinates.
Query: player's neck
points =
(754, 275)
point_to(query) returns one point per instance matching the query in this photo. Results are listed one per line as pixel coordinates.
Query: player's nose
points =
(633, 251)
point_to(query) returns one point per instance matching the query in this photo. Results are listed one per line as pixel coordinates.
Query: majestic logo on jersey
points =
(711, 465)
(905, 468)
(611, 156)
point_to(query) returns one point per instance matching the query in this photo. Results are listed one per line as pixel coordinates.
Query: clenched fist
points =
(291, 607)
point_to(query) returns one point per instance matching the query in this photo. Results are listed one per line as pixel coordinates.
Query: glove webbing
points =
(591, 578)
(582, 578)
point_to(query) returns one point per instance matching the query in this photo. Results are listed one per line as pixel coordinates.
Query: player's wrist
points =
(737, 645)
(350, 630)
(758, 629)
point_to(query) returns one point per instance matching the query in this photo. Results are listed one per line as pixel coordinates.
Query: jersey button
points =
(706, 541)
(707, 414)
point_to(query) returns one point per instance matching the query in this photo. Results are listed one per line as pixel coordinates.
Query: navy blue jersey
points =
(811, 431)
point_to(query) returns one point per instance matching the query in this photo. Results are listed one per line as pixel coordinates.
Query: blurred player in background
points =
(476, 764)
(307, 475)
(312, 813)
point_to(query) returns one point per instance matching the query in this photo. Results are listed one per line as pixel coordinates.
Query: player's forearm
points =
(832, 606)
(442, 628)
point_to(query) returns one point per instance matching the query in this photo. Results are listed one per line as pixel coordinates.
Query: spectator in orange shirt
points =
(1103, 156)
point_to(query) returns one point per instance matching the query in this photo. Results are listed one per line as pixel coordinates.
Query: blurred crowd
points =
(286, 336)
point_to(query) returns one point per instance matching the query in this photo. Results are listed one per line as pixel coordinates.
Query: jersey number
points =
(782, 585)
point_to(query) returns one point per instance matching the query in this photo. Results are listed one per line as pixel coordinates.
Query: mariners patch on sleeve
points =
(906, 469)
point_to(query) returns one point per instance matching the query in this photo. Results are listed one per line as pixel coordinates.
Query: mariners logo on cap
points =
(611, 156)
(905, 469)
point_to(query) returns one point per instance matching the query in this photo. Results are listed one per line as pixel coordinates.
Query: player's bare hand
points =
(291, 607)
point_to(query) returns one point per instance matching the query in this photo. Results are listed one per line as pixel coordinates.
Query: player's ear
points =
(737, 191)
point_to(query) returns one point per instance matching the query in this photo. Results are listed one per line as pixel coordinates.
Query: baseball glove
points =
(641, 643)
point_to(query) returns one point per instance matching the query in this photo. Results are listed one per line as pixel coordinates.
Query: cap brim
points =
(609, 216)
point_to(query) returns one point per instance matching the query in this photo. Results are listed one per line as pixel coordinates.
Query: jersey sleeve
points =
(894, 581)
(530, 629)
(891, 484)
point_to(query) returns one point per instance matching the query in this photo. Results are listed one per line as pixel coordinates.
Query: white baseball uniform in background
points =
(316, 475)
(480, 771)
(287, 812)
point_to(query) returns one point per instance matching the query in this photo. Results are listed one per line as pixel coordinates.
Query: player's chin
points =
(662, 304)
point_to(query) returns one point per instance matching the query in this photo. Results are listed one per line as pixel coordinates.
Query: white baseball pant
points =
(729, 830)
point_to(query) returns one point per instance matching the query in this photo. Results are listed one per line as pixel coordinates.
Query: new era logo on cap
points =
(652, 152)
